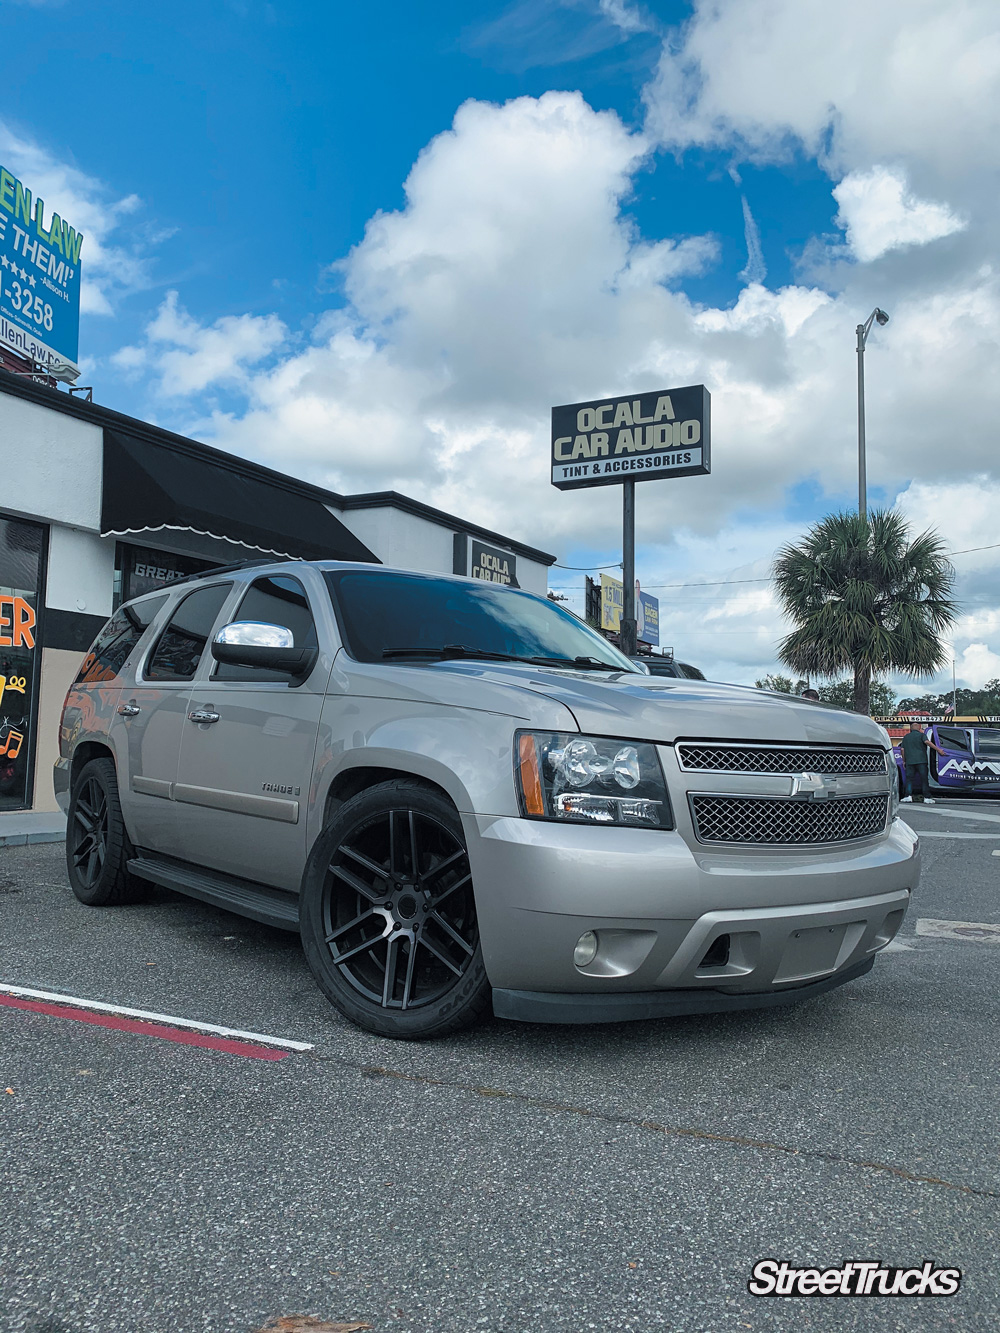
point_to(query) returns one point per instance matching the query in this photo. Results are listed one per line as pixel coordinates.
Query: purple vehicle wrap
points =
(971, 760)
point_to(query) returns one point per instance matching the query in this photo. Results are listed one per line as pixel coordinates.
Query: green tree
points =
(780, 684)
(968, 703)
(864, 594)
(841, 693)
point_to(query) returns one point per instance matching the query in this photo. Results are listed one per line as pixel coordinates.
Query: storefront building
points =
(97, 508)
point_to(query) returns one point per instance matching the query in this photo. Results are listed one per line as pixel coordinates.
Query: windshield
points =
(385, 614)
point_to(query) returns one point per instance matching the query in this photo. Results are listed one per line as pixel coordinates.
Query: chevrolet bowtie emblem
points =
(813, 787)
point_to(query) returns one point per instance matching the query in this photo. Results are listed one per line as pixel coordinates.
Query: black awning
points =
(157, 488)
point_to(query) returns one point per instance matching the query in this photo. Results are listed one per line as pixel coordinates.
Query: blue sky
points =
(373, 244)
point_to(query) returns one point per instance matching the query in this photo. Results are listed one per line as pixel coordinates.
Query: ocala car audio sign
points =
(641, 438)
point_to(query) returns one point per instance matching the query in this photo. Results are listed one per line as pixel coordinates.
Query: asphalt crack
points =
(656, 1127)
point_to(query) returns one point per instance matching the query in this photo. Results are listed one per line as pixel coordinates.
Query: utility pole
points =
(863, 330)
(628, 620)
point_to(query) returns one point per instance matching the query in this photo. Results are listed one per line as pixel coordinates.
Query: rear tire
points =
(388, 916)
(97, 846)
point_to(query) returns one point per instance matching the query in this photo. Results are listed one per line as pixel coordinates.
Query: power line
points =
(615, 564)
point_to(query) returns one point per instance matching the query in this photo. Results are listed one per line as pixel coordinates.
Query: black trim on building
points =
(151, 488)
(21, 387)
(70, 631)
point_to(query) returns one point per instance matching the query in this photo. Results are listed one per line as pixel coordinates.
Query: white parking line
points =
(934, 833)
(53, 997)
(972, 932)
(952, 814)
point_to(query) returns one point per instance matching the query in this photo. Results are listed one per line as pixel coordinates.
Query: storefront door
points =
(22, 547)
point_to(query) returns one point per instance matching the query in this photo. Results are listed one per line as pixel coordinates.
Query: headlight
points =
(590, 780)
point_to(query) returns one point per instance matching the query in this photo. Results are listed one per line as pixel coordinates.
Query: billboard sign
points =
(647, 615)
(39, 280)
(647, 610)
(646, 437)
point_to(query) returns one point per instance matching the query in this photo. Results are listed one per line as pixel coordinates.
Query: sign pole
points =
(628, 622)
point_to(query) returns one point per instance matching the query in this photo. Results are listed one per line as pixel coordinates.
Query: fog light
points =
(586, 949)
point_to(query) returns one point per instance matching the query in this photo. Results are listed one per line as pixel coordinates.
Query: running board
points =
(259, 902)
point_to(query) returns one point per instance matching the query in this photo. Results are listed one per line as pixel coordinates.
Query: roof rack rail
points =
(233, 568)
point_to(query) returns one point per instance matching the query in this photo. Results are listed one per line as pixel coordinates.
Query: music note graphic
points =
(12, 745)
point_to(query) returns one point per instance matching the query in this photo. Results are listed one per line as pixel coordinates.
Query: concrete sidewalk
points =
(21, 827)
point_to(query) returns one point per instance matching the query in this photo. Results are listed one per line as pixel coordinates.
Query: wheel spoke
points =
(352, 881)
(408, 982)
(391, 965)
(414, 858)
(395, 848)
(431, 947)
(459, 883)
(442, 866)
(370, 866)
(439, 920)
(342, 930)
(358, 948)
(84, 815)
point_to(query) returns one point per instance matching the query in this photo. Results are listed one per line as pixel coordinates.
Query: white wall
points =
(408, 541)
(81, 572)
(51, 464)
(402, 539)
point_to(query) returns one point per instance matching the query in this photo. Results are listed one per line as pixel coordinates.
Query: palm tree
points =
(865, 595)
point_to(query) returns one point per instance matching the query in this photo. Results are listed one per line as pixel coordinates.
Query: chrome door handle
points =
(204, 715)
(128, 710)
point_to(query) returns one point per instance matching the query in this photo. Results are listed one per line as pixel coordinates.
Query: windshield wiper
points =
(450, 650)
(460, 650)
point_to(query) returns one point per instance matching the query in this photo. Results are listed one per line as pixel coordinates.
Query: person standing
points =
(914, 747)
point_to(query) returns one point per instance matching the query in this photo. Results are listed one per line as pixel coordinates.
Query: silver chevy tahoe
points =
(462, 796)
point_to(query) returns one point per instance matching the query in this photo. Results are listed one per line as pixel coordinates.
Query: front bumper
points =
(682, 929)
(544, 1007)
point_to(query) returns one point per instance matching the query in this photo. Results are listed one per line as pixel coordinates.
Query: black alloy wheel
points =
(389, 915)
(89, 847)
(97, 845)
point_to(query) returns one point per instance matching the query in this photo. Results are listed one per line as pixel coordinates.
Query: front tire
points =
(97, 845)
(388, 916)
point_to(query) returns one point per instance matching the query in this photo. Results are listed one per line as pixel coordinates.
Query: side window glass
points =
(183, 643)
(275, 600)
(951, 738)
(117, 639)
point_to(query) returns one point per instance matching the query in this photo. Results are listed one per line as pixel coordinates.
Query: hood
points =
(630, 705)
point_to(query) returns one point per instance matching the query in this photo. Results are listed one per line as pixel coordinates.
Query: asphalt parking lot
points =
(512, 1178)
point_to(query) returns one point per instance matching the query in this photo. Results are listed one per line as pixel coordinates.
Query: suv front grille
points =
(705, 757)
(780, 822)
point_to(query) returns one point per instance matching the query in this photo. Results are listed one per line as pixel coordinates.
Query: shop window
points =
(273, 601)
(117, 639)
(182, 644)
(22, 548)
(140, 569)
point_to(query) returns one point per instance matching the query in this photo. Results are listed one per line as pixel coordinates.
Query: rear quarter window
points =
(116, 641)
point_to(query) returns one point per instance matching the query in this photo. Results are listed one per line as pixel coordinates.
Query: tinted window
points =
(182, 643)
(950, 738)
(987, 741)
(273, 601)
(117, 639)
(690, 672)
(382, 612)
(661, 668)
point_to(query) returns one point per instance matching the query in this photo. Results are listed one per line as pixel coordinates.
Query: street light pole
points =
(863, 331)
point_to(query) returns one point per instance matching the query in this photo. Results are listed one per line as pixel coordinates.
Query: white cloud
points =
(756, 269)
(623, 16)
(853, 83)
(111, 265)
(879, 214)
(187, 358)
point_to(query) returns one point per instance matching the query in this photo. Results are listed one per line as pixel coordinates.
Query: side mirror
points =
(251, 643)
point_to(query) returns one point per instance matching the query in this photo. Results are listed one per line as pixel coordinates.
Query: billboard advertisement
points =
(39, 279)
(647, 610)
(646, 437)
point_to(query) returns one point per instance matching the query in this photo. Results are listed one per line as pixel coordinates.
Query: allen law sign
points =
(641, 438)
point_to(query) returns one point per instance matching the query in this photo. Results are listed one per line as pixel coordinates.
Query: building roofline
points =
(19, 386)
(393, 500)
